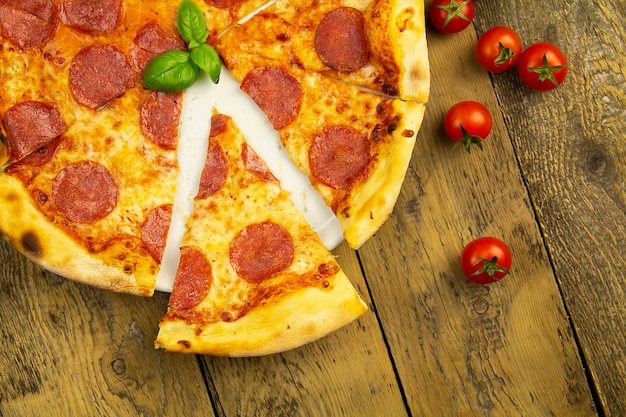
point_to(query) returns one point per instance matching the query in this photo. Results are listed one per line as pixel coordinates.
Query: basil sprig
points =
(174, 71)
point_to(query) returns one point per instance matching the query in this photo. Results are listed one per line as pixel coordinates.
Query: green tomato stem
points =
(545, 71)
(453, 9)
(490, 267)
(506, 54)
(468, 140)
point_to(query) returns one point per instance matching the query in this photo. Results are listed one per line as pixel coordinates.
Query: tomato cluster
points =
(542, 66)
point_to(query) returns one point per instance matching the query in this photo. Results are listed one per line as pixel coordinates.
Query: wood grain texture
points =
(571, 146)
(347, 373)
(548, 340)
(73, 350)
(504, 349)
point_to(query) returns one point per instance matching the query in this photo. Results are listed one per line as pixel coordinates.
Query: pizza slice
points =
(253, 277)
(89, 156)
(375, 44)
(57, 68)
(354, 146)
(94, 204)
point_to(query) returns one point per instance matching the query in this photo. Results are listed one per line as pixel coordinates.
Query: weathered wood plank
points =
(463, 349)
(72, 350)
(571, 145)
(459, 349)
(348, 373)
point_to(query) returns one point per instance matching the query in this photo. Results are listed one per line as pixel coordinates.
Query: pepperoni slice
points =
(99, 74)
(214, 171)
(160, 117)
(276, 92)
(41, 156)
(85, 192)
(256, 165)
(30, 125)
(92, 15)
(340, 40)
(261, 251)
(219, 124)
(338, 155)
(151, 40)
(154, 230)
(28, 23)
(193, 279)
(224, 4)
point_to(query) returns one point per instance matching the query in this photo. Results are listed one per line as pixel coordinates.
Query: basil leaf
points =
(175, 71)
(208, 60)
(191, 24)
(170, 72)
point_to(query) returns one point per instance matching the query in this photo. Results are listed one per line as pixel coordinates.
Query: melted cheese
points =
(245, 199)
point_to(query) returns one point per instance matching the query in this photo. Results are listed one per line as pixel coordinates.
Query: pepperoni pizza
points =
(353, 138)
(90, 155)
(375, 44)
(250, 280)
(354, 146)
(89, 168)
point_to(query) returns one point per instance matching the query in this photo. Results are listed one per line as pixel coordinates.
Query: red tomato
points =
(451, 16)
(486, 260)
(542, 66)
(498, 49)
(467, 123)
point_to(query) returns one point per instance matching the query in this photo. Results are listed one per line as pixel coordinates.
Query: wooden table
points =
(550, 340)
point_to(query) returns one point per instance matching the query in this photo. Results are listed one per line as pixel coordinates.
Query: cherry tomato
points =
(451, 16)
(542, 66)
(498, 49)
(486, 260)
(467, 123)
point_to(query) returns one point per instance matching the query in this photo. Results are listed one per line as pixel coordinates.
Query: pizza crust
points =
(397, 34)
(374, 202)
(302, 317)
(4, 149)
(121, 267)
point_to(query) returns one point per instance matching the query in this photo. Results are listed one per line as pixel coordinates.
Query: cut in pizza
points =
(354, 138)
(375, 44)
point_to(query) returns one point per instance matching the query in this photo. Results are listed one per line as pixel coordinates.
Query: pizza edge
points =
(117, 268)
(292, 315)
(372, 204)
(397, 31)
(303, 316)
